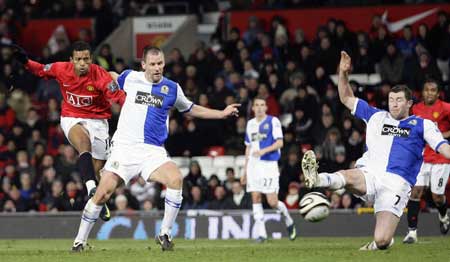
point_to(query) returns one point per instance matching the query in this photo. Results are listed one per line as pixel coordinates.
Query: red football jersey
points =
(86, 96)
(439, 113)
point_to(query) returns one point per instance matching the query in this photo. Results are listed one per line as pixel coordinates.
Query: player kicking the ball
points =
(137, 147)
(263, 140)
(435, 167)
(87, 90)
(395, 142)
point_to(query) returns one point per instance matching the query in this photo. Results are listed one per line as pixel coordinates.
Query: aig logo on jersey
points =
(78, 100)
(149, 99)
(389, 130)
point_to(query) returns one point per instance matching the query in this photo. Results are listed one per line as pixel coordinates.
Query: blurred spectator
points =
(438, 32)
(292, 198)
(230, 179)
(347, 201)
(105, 58)
(121, 203)
(103, 19)
(407, 42)
(335, 201)
(7, 115)
(194, 178)
(238, 199)
(289, 173)
(196, 199)
(148, 205)
(213, 182)
(143, 190)
(219, 200)
(391, 66)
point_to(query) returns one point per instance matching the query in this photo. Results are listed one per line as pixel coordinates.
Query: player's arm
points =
(114, 75)
(345, 91)
(278, 144)
(446, 134)
(434, 138)
(207, 113)
(185, 106)
(444, 150)
(247, 155)
(38, 69)
(111, 88)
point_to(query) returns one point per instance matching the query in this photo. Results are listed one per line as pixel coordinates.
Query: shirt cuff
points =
(439, 144)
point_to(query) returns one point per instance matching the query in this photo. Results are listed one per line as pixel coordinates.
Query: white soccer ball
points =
(314, 207)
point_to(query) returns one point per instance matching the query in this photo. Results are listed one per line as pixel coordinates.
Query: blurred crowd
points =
(38, 168)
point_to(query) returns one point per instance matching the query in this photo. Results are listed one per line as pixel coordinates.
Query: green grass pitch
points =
(302, 249)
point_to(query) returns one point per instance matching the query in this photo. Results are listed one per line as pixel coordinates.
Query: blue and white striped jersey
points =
(396, 146)
(263, 134)
(145, 114)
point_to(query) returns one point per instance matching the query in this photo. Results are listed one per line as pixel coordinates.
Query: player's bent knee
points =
(383, 242)
(175, 181)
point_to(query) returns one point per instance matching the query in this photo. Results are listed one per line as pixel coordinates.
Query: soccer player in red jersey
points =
(435, 168)
(87, 90)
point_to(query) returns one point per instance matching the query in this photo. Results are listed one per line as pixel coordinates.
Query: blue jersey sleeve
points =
(363, 110)
(122, 77)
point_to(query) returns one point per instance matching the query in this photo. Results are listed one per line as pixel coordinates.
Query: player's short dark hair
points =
(80, 46)
(260, 98)
(431, 81)
(402, 88)
(152, 50)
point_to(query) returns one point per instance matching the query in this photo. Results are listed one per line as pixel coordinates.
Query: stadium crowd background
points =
(38, 169)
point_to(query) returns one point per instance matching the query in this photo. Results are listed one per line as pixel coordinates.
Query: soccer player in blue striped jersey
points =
(389, 168)
(263, 140)
(138, 144)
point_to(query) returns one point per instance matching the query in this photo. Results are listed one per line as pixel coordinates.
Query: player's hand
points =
(19, 53)
(345, 63)
(258, 153)
(243, 179)
(231, 110)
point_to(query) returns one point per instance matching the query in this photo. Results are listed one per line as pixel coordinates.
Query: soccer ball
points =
(314, 207)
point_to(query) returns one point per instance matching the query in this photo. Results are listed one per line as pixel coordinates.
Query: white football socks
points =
(333, 181)
(283, 209)
(258, 215)
(171, 207)
(90, 215)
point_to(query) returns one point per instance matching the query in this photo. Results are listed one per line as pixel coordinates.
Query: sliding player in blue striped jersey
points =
(395, 142)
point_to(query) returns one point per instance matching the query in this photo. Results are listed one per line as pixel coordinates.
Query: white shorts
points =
(131, 160)
(388, 192)
(263, 176)
(98, 134)
(435, 176)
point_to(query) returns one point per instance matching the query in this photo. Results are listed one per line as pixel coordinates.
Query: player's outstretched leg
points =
(93, 208)
(333, 181)
(413, 215)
